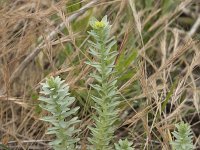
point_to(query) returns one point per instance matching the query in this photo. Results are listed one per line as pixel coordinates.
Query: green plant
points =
(106, 100)
(4, 147)
(183, 137)
(124, 145)
(57, 101)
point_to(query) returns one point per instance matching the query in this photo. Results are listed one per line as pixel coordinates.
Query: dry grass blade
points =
(50, 37)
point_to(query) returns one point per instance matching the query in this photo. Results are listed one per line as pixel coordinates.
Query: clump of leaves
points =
(183, 137)
(124, 145)
(57, 102)
(106, 102)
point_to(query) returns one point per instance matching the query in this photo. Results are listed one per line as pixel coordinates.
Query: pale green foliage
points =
(183, 137)
(106, 98)
(57, 101)
(124, 145)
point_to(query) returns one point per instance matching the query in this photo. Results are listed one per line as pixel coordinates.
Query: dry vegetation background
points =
(157, 65)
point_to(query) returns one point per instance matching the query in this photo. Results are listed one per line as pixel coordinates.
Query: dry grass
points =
(158, 88)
